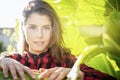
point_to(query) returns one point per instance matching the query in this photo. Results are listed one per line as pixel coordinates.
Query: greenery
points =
(104, 56)
(2, 47)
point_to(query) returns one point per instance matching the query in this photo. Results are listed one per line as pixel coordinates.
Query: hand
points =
(57, 73)
(8, 64)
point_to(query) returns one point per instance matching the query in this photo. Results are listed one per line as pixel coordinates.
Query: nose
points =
(39, 33)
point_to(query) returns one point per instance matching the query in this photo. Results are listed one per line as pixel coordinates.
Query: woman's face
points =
(38, 31)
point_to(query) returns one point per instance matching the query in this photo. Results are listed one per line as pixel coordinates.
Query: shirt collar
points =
(40, 55)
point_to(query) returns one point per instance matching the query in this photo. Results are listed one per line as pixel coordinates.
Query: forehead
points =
(36, 18)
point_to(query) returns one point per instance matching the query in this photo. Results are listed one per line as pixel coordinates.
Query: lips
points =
(39, 42)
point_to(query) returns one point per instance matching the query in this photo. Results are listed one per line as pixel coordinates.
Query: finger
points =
(5, 71)
(47, 73)
(59, 74)
(62, 74)
(34, 72)
(21, 74)
(13, 71)
(80, 75)
(29, 72)
(54, 75)
(20, 71)
(4, 67)
(41, 70)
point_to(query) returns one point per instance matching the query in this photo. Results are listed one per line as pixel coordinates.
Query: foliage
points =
(111, 5)
(107, 57)
(68, 12)
(14, 38)
(2, 47)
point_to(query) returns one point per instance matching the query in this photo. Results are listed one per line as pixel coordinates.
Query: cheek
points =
(50, 38)
(28, 37)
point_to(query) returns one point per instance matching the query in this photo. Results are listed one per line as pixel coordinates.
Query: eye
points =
(31, 27)
(47, 27)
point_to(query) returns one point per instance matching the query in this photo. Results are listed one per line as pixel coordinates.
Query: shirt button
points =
(35, 56)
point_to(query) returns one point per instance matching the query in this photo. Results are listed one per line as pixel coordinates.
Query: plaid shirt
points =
(45, 60)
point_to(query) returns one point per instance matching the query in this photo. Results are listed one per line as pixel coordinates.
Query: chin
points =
(40, 50)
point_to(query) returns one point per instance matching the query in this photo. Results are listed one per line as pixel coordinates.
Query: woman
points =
(43, 47)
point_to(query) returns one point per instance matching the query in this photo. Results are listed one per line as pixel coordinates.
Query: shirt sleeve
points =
(14, 56)
(92, 74)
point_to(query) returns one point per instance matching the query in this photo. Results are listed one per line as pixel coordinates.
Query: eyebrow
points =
(38, 25)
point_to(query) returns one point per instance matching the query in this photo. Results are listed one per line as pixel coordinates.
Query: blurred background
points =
(84, 22)
(11, 11)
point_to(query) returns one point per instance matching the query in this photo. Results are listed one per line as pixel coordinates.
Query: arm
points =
(86, 73)
(92, 74)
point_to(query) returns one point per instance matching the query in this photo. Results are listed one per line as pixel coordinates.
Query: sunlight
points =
(10, 10)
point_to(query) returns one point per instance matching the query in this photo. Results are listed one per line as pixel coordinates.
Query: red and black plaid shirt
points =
(45, 60)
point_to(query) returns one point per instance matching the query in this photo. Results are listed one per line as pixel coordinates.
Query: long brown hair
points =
(56, 45)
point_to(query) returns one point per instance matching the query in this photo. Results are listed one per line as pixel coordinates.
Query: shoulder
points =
(12, 54)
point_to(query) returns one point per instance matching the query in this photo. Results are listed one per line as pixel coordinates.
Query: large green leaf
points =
(83, 23)
(67, 11)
